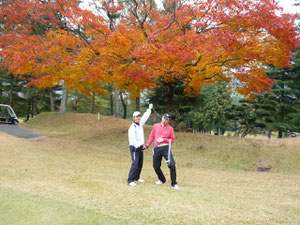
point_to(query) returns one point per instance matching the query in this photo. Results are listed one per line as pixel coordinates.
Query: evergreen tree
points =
(26, 101)
(213, 105)
(254, 116)
(286, 88)
(10, 88)
(172, 94)
(294, 72)
(265, 106)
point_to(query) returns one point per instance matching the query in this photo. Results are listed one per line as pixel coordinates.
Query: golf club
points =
(169, 153)
(148, 102)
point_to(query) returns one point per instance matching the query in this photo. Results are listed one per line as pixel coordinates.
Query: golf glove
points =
(160, 140)
(139, 148)
(150, 106)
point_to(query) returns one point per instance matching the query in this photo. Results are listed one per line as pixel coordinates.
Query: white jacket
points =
(136, 132)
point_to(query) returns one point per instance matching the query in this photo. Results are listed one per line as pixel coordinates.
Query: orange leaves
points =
(134, 45)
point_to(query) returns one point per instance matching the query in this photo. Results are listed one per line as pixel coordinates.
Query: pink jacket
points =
(160, 131)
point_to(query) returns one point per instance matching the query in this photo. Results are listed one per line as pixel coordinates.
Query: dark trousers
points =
(137, 158)
(158, 153)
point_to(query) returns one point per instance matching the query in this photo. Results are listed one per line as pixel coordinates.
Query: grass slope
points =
(77, 175)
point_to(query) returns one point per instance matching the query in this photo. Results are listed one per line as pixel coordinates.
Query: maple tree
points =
(135, 45)
(55, 55)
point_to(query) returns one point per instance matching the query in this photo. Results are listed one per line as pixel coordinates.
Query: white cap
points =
(137, 113)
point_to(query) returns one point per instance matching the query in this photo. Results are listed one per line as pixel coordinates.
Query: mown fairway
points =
(78, 175)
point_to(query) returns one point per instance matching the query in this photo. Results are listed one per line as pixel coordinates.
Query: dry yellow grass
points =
(77, 175)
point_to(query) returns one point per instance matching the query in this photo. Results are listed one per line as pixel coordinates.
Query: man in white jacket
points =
(136, 145)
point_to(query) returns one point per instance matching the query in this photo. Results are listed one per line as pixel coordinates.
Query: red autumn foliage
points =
(133, 44)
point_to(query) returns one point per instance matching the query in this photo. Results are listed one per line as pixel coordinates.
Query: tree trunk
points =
(137, 103)
(282, 109)
(28, 112)
(35, 105)
(111, 104)
(280, 134)
(32, 107)
(93, 104)
(11, 90)
(244, 134)
(269, 133)
(52, 108)
(1, 92)
(189, 123)
(116, 112)
(124, 106)
(170, 98)
(64, 100)
(170, 106)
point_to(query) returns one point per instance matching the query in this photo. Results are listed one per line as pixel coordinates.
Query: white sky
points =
(287, 6)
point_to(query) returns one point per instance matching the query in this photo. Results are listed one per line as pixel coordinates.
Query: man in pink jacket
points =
(162, 133)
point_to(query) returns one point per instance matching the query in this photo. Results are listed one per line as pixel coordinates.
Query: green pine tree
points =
(212, 108)
(257, 116)
(286, 88)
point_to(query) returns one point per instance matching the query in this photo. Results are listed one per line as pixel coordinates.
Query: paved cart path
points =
(18, 131)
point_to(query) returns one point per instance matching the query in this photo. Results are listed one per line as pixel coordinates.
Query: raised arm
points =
(145, 117)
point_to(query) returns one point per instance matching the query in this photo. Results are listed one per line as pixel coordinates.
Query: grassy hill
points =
(78, 175)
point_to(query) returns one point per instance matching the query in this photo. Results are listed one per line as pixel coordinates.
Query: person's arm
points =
(172, 135)
(131, 136)
(145, 117)
(151, 137)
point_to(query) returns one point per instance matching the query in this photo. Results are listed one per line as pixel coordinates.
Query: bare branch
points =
(195, 63)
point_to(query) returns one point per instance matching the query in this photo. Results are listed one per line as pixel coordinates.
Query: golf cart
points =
(294, 134)
(7, 115)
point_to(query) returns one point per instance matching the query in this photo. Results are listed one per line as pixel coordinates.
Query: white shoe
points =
(141, 180)
(176, 187)
(132, 184)
(159, 182)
